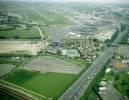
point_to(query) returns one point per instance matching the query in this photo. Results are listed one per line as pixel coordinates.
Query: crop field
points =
(47, 84)
(20, 47)
(20, 34)
(53, 64)
(50, 17)
(31, 12)
(5, 68)
(45, 16)
(27, 14)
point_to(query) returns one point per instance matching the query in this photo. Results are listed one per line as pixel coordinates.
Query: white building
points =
(70, 53)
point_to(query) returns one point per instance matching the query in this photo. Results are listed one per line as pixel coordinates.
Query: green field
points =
(20, 34)
(45, 17)
(54, 18)
(47, 84)
(40, 14)
(27, 13)
(122, 83)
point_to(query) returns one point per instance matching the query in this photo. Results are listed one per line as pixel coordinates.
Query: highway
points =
(79, 87)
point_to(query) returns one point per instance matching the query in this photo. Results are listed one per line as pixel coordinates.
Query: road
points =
(43, 43)
(79, 87)
(20, 92)
(40, 32)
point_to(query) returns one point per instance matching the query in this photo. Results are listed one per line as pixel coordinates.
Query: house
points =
(102, 88)
(103, 83)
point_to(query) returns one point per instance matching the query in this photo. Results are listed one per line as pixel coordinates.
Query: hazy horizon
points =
(117, 1)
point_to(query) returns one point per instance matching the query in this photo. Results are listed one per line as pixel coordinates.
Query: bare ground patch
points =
(53, 64)
(5, 68)
(7, 46)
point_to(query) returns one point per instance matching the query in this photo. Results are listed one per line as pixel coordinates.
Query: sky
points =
(96, 0)
(78, 0)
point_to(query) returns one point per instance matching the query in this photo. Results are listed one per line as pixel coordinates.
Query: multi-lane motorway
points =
(79, 87)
